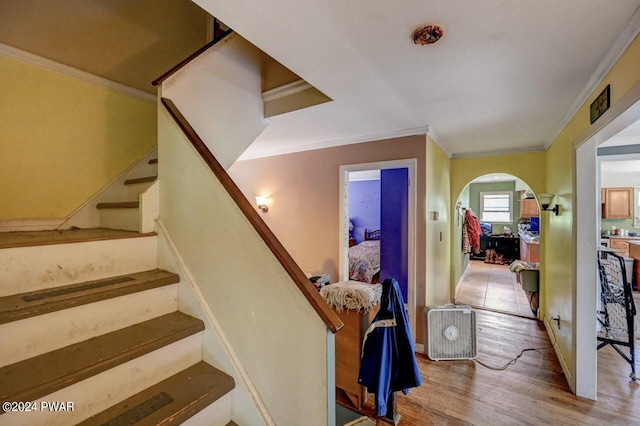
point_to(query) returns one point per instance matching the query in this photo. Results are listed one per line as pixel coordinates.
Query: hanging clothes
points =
(388, 354)
(473, 230)
(466, 245)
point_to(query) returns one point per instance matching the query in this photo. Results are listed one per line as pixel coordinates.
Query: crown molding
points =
(57, 67)
(285, 90)
(498, 152)
(627, 36)
(337, 142)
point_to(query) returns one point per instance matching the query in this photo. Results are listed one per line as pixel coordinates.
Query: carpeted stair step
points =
(25, 305)
(42, 375)
(140, 180)
(172, 401)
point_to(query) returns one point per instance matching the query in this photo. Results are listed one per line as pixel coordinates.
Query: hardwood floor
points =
(533, 391)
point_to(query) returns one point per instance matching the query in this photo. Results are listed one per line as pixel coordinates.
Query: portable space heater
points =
(450, 332)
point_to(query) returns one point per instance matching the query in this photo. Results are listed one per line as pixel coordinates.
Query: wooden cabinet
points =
(529, 252)
(617, 203)
(349, 352)
(529, 208)
(620, 244)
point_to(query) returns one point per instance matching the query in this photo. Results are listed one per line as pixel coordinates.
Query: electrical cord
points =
(514, 360)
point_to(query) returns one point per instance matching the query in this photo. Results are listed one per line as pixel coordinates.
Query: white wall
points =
(613, 180)
(276, 334)
(220, 93)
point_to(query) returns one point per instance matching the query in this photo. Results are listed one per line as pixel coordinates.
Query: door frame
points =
(343, 267)
(586, 182)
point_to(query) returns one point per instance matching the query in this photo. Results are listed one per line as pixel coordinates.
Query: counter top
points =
(613, 237)
(530, 238)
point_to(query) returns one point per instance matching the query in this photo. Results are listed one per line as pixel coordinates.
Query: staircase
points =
(91, 334)
(126, 214)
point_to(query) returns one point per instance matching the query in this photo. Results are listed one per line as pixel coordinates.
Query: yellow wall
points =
(438, 241)
(62, 140)
(557, 244)
(528, 166)
(438, 250)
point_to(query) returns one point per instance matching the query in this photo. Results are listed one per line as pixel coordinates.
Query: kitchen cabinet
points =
(617, 203)
(528, 206)
(529, 252)
(621, 244)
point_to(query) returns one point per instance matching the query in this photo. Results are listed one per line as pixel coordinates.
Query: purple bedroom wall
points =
(364, 206)
(394, 227)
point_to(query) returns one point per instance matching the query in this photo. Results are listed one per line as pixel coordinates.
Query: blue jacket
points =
(388, 355)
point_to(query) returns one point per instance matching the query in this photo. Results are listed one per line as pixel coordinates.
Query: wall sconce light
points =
(545, 202)
(262, 204)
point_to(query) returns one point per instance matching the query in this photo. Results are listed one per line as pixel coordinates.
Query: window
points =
(496, 206)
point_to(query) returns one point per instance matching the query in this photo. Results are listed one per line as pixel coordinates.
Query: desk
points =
(505, 246)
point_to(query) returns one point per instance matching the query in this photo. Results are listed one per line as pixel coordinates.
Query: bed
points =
(364, 258)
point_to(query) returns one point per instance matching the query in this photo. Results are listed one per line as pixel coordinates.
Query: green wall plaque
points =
(600, 104)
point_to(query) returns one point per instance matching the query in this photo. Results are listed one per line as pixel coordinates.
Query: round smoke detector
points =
(427, 35)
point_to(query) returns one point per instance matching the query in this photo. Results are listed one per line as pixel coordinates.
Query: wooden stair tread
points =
(25, 305)
(119, 205)
(36, 377)
(140, 180)
(64, 236)
(153, 161)
(172, 401)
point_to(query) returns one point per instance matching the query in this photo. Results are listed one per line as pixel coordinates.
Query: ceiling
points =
(626, 166)
(502, 79)
(129, 42)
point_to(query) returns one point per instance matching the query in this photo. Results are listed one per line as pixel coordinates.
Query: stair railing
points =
(316, 301)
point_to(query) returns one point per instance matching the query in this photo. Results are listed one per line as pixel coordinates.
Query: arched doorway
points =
(487, 270)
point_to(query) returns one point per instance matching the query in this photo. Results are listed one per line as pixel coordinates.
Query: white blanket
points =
(352, 295)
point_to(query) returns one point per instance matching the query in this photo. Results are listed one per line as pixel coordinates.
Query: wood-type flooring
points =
(533, 391)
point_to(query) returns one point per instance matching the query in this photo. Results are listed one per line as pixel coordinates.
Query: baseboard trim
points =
(14, 225)
(211, 319)
(563, 364)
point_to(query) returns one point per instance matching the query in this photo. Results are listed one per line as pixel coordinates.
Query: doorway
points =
(500, 271)
(587, 237)
(399, 241)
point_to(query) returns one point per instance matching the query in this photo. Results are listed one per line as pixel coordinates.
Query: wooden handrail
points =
(188, 59)
(329, 317)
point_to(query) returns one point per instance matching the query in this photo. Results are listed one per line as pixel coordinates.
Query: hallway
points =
(492, 287)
